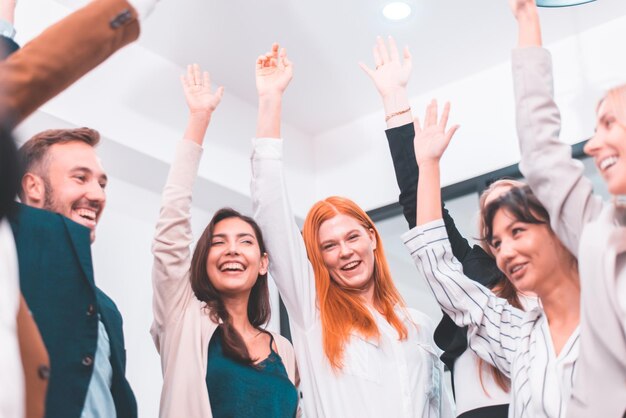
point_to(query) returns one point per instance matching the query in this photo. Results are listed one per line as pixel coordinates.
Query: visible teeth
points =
(87, 214)
(517, 268)
(608, 162)
(350, 265)
(232, 266)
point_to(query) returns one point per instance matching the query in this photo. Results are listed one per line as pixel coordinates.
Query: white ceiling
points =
(449, 39)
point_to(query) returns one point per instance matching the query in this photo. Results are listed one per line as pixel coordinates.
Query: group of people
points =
(534, 318)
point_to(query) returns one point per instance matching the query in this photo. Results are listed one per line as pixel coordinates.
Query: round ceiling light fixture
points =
(397, 10)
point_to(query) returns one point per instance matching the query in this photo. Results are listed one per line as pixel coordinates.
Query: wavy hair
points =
(343, 311)
(258, 303)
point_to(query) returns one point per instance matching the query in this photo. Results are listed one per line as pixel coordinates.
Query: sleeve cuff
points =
(267, 149)
(521, 57)
(7, 29)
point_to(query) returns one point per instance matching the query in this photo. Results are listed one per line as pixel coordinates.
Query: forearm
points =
(43, 68)
(428, 193)
(268, 122)
(529, 27)
(197, 125)
(7, 11)
(394, 103)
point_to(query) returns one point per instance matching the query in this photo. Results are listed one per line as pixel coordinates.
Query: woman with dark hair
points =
(480, 390)
(361, 351)
(591, 228)
(210, 308)
(537, 350)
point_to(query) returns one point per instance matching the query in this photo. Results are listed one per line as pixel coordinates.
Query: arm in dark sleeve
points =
(7, 47)
(477, 264)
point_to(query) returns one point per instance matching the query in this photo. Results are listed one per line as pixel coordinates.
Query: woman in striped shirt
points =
(537, 349)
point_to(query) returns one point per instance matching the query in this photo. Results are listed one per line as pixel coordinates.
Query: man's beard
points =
(49, 202)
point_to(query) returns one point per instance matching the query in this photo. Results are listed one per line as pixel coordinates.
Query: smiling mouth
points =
(518, 270)
(607, 162)
(351, 266)
(232, 266)
(87, 215)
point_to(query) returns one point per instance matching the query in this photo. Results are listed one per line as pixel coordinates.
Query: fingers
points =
(393, 49)
(407, 57)
(444, 116)
(378, 61)
(431, 114)
(367, 70)
(382, 50)
(219, 93)
(197, 75)
(451, 133)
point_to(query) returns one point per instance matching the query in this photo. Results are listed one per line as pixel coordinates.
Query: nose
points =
(345, 250)
(96, 193)
(233, 247)
(506, 253)
(593, 145)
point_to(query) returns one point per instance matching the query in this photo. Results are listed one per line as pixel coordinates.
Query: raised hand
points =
(432, 139)
(197, 88)
(522, 7)
(392, 72)
(273, 72)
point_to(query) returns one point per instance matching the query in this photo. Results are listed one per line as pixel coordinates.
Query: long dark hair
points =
(258, 303)
(525, 207)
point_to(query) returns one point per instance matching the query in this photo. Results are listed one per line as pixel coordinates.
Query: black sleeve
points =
(477, 264)
(7, 47)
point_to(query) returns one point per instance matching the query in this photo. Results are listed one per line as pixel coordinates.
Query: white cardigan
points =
(380, 378)
(182, 327)
(592, 230)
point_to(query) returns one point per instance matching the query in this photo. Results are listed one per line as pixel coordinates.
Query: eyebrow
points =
(506, 228)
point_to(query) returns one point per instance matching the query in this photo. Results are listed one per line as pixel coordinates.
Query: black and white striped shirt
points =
(516, 342)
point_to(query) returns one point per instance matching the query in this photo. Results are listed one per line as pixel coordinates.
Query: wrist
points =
(429, 163)
(200, 115)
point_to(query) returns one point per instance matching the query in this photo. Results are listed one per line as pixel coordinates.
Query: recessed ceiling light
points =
(397, 10)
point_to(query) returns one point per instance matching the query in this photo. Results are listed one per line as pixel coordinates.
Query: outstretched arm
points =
(289, 264)
(172, 242)
(556, 179)
(430, 143)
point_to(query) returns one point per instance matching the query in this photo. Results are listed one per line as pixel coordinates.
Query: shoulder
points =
(424, 323)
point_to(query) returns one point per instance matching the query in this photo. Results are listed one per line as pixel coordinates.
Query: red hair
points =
(341, 310)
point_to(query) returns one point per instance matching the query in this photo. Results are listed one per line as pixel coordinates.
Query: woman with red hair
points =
(361, 351)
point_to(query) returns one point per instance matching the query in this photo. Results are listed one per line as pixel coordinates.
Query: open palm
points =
(432, 139)
(197, 89)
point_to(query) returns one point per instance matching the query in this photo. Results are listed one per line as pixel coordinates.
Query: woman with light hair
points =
(592, 229)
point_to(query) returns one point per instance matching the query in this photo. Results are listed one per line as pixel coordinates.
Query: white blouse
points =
(380, 378)
(516, 342)
(11, 375)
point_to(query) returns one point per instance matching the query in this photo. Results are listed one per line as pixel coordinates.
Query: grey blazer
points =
(591, 229)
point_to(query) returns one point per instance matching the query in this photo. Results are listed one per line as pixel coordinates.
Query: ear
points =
(34, 190)
(372, 235)
(265, 262)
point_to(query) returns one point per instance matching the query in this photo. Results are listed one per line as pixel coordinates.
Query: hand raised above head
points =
(432, 139)
(520, 7)
(197, 88)
(273, 72)
(392, 72)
